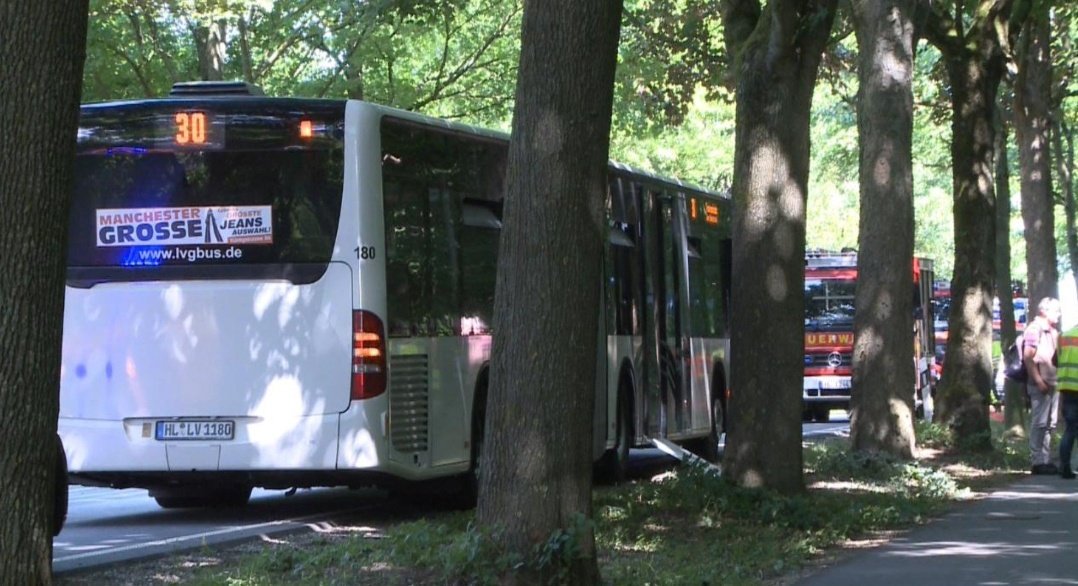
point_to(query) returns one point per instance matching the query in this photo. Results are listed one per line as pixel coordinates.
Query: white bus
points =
(276, 292)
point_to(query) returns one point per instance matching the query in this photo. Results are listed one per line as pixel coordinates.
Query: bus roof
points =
(422, 119)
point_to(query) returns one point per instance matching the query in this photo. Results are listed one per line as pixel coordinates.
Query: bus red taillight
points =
(368, 356)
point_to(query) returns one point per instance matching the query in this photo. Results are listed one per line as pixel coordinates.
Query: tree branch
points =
(739, 18)
(940, 29)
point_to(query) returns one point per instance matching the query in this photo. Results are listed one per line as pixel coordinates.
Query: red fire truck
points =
(830, 282)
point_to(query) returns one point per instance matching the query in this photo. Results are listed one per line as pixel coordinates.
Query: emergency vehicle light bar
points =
(827, 258)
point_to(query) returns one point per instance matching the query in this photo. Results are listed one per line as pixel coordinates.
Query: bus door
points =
(667, 345)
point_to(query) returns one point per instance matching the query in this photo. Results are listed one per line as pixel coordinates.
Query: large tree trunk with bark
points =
(967, 377)
(42, 47)
(777, 54)
(537, 462)
(972, 49)
(1032, 121)
(883, 368)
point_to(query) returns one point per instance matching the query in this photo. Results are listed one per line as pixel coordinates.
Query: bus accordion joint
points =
(368, 356)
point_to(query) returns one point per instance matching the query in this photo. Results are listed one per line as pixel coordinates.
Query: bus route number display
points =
(192, 129)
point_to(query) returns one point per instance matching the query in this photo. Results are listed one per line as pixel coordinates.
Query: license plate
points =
(843, 383)
(195, 429)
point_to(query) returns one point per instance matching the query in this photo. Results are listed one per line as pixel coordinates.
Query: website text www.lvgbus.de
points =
(191, 254)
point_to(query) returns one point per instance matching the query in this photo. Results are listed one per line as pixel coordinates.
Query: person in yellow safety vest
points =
(1068, 393)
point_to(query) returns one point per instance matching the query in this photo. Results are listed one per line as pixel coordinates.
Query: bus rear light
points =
(368, 356)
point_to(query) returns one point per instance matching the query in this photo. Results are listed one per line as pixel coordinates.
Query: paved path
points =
(1025, 533)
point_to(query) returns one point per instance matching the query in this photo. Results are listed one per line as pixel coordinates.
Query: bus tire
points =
(60, 490)
(468, 494)
(475, 470)
(707, 447)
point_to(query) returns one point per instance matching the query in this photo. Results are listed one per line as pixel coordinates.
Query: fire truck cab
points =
(830, 287)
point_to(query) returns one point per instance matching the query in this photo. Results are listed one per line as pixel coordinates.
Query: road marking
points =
(284, 523)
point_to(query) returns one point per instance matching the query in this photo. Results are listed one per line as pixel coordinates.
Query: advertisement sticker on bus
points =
(185, 226)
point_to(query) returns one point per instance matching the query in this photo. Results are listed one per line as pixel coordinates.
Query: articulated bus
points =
(279, 293)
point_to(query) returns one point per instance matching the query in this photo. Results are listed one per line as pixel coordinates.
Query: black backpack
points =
(1014, 366)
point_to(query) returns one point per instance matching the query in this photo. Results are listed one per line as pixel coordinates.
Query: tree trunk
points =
(353, 78)
(963, 394)
(210, 45)
(537, 461)
(43, 49)
(245, 50)
(778, 53)
(1007, 329)
(1014, 402)
(1032, 120)
(883, 368)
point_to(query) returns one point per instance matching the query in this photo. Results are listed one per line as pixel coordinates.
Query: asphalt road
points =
(106, 525)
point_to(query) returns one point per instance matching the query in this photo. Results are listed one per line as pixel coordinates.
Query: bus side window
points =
(708, 290)
(479, 235)
(405, 237)
(441, 249)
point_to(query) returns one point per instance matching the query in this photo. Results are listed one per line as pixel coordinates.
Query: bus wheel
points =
(59, 502)
(467, 495)
(707, 447)
(474, 476)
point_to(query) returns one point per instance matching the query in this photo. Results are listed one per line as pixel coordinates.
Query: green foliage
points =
(836, 461)
(325, 563)
(832, 460)
(701, 150)
(447, 550)
(673, 115)
(931, 434)
(449, 58)
(834, 194)
(669, 52)
(1009, 453)
(132, 53)
(555, 556)
(665, 532)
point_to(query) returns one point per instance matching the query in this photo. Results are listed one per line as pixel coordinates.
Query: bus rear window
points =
(258, 200)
